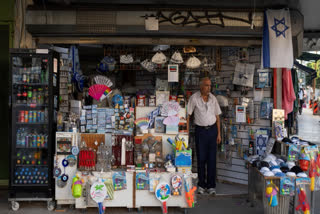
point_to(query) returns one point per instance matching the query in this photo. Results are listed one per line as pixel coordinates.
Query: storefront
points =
(118, 67)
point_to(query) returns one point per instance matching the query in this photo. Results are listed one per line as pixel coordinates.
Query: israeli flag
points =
(277, 49)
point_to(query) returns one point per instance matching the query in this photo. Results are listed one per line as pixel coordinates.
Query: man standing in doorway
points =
(205, 107)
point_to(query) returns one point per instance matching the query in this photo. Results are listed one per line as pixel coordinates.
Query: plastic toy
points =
(304, 161)
(76, 186)
(189, 193)
(271, 194)
(303, 203)
(176, 183)
(98, 193)
(163, 193)
(313, 173)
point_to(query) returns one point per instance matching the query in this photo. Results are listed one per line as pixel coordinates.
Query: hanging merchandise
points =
(263, 79)
(64, 176)
(103, 80)
(193, 62)
(271, 194)
(107, 64)
(304, 161)
(261, 144)
(77, 186)
(293, 153)
(56, 170)
(110, 188)
(312, 152)
(154, 180)
(173, 73)
(159, 58)
(240, 114)
(270, 145)
(148, 65)
(176, 58)
(87, 159)
(189, 192)
(176, 183)
(243, 74)
(189, 49)
(265, 109)
(99, 92)
(98, 193)
(302, 199)
(72, 160)
(162, 194)
(126, 59)
(142, 181)
(287, 186)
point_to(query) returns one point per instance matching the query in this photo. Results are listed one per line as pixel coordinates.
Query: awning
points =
(312, 72)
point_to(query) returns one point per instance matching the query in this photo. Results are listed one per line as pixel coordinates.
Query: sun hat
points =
(148, 65)
(193, 62)
(176, 58)
(126, 59)
(291, 174)
(302, 175)
(159, 58)
(268, 174)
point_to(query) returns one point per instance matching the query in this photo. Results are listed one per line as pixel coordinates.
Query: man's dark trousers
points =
(206, 146)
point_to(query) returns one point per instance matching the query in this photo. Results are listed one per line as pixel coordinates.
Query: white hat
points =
(159, 58)
(291, 174)
(126, 59)
(268, 174)
(264, 169)
(148, 65)
(290, 164)
(176, 58)
(276, 170)
(302, 175)
(193, 62)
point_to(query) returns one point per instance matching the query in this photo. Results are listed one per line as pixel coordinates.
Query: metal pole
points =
(313, 202)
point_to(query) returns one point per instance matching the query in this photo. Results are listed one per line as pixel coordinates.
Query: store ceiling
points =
(214, 4)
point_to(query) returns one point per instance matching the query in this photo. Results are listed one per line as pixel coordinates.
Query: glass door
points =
(30, 120)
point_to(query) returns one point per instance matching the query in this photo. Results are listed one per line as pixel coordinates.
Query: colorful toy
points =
(176, 183)
(189, 193)
(119, 180)
(303, 203)
(76, 187)
(142, 123)
(271, 194)
(313, 173)
(163, 193)
(304, 161)
(98, 193)
(99, 92)
(287, 186)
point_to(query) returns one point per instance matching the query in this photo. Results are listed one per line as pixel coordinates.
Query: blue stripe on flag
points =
(266, 42)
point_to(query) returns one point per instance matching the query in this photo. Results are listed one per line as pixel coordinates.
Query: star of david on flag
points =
(278, 29)
(277, 50)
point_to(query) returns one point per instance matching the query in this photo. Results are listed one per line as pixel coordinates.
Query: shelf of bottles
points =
(30, 101)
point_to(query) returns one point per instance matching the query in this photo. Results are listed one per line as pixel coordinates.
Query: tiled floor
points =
(309, 126)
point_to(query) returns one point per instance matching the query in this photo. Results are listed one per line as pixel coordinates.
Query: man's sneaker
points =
(212, 191)
(201, 190)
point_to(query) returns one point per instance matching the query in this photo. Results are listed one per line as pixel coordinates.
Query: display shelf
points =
(31, 84)
(30, 185)
(18, 123)
(31, 148)
(41, 165)
(17, 105)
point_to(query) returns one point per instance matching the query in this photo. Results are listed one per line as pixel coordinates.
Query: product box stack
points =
(88, 119)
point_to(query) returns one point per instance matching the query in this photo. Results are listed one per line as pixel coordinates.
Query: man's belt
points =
(207, 127)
